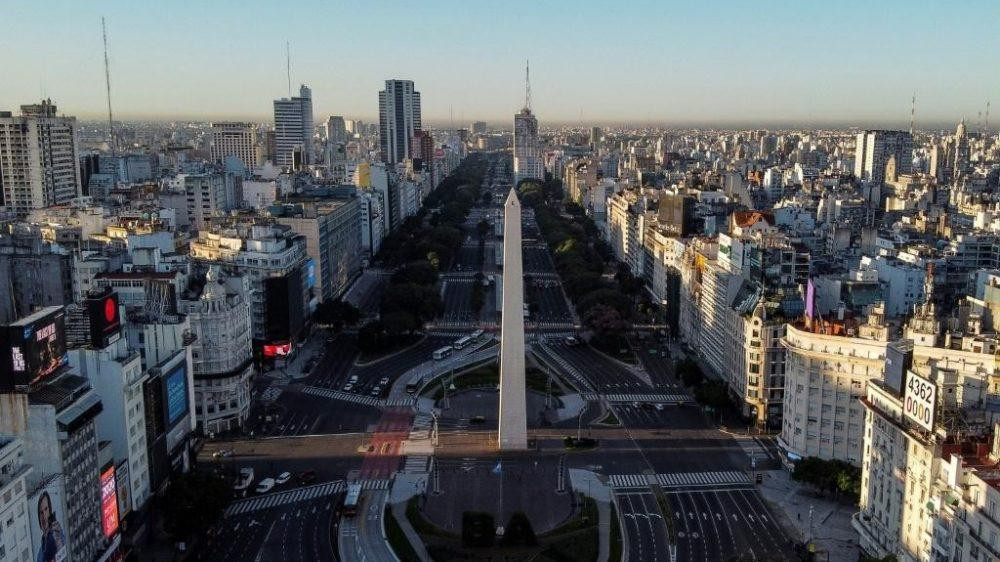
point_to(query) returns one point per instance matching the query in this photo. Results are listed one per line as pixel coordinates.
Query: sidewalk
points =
(399, 512)
(588, 484)
(831, 531)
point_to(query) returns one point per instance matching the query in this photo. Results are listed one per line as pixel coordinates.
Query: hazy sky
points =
(752, 62)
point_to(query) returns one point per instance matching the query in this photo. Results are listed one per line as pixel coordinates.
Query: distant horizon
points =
(497, 124)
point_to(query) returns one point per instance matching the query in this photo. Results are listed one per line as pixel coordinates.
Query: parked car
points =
(265, 485)
(383, 381)
(283, 477)
(348, 387)
(307, 476)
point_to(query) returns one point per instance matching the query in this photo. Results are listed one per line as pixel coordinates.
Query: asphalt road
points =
(290, 533)
(605, 375)
(644, 526)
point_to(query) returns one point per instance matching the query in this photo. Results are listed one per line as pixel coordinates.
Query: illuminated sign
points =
(109, 502)
(176, 395)
(105, 324)
(277, 350)
(31, 351)
(920, 400)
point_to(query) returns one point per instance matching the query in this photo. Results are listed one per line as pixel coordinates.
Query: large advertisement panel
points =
(105, 324)
(920, 400)
(47, 518)
(109, 501)
(175, 394)
(31, 351)
(124, 490)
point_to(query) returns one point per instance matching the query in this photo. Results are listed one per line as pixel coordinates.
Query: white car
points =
(348, 387)
(283, 477)
(265, 485)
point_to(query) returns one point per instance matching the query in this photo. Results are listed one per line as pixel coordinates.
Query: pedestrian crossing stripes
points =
(680, 479)
(416, 463)
(358, 399)
(279, 499)
(628, 481)
(629, 398)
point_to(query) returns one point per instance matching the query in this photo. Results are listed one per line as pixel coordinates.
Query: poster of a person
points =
(52, 546)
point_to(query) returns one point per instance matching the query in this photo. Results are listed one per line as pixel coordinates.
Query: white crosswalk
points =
(681, 479)
(358, 399)
(416, 463)
(629, 398)
(278, 499)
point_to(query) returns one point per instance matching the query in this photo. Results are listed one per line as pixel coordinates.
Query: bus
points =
(442, 353)
(477, 335)
(352, 500)
(462, 342)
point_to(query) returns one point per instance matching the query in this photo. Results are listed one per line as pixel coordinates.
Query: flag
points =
(497, 469)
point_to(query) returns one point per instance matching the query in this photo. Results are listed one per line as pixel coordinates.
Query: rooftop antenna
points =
(913, 111)
(107, 84)
(288, 67)
(527, 85)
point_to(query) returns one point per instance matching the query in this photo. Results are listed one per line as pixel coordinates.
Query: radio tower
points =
(986, 121)
(288, 67)
(107, 84)
(913, 111)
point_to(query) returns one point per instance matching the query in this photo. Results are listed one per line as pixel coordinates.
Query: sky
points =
(753, 63)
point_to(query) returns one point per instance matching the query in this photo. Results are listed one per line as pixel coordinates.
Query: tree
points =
(193, 502)
(519, 531)
(420, 272)
(690, 373)
(713, 394)
(423, 302)
(337, 314)
(478, 529)
(483, 228)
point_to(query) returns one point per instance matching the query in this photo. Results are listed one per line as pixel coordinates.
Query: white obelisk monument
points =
(513, 405)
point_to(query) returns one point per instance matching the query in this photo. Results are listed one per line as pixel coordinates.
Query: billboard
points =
(310, 273)
(124, 490)
(109, 501)
(47, 519)
(105, 324)
(175, 394)
(33, 348)
(920, 400)
(277, 350)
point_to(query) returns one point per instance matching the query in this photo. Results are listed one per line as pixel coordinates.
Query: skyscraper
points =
(293, 129)
(527, 156)
(874, 148)
(38, 158)
(398, 119)
(235, 139)
(336, 129)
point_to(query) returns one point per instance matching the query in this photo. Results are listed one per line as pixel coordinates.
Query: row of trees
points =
(423, 246)
(605, 303)
(479, 530)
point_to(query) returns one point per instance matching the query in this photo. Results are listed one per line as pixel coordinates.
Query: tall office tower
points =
(527, 156)
(336, 129)
(595, 138)
(293, 128)
(38, 159)
(235, 139)
(478, 127)
(398, 119)
(874, 149)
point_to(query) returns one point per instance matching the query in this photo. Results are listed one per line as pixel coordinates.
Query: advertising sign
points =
(311, 273)
(277, 350)
(31, 350)
(109, 501)
(176, 394)
(124, 490)
(920, 400)
(104, 321)
(47, 521)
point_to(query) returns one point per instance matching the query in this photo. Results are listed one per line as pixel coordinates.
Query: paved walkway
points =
(399, 512)
(831, 521)
(588, 484)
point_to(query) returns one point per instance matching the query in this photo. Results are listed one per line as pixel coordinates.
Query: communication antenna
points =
(107, 84)
(913, 111)
(986, 121)
(527, 85)
(288, 67)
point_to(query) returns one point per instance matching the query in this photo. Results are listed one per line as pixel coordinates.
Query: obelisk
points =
(513, 406)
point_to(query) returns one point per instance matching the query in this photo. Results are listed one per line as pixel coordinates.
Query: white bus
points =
(477, 335)
(462, 342)
(352, 499)
(442, 353)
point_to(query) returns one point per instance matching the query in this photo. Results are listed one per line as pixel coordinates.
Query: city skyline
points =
(672, 65)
